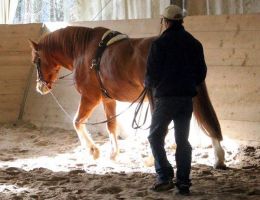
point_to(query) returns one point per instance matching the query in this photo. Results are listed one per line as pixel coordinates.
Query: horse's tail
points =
(205, 113)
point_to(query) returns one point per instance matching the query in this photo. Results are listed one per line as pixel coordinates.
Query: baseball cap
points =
(174, 12)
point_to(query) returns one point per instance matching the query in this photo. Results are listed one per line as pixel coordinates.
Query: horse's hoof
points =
(221, 166)
(94, 151)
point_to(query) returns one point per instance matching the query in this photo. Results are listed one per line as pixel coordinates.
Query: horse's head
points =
(47, 70)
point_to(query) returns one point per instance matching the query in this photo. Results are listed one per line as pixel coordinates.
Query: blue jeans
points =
(166, 109)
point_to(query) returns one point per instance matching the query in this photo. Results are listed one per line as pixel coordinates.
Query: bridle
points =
(40, 77)
(37, 63)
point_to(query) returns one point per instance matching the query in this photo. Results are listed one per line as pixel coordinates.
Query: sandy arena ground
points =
(47, 163)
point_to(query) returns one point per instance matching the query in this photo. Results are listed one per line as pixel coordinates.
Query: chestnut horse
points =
(122, 69)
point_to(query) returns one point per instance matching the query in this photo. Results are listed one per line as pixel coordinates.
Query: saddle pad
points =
(114, 39)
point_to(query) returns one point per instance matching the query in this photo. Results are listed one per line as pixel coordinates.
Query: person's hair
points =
(174, 22)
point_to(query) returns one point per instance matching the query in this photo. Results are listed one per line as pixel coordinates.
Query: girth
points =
(108, 38)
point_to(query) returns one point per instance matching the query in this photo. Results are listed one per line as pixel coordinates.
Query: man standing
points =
(175, 67)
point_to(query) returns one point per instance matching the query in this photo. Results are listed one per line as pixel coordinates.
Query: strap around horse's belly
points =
(109, 37)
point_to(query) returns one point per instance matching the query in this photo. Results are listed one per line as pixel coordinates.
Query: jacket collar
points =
(174, 28)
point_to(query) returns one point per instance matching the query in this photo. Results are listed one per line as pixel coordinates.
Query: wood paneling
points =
(232, 57)
(15, 72)
(194, 24)
(235, 92)
(21, 30)
(245, 39)
(15, 58)
(242, 131)
(15, 67)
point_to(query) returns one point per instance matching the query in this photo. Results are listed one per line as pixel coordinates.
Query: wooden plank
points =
(223, 22)
(12, 86)
(54, 124)
(232, 39)
(18, 72)
(232, 57)
(192, 23)
(51, 114)
(68, 98)
(130, 27)
(235, 92)
(15, 58)
(19, 44)
(15, 66)
(15, 37)
(9, 107)
(8, 117)
(23, 30)
(244, 132)
(10, 101)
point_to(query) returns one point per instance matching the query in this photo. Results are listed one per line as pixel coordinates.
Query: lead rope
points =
(140, 97)
(139, 108)
(62, 77)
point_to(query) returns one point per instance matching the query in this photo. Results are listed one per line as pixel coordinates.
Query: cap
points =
(174, 12)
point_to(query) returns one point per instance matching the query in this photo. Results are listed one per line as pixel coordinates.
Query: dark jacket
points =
(175, 64)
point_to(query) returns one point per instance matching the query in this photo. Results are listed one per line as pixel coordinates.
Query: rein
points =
(39, 72)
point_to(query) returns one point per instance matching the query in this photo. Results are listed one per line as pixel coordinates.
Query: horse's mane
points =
(70, 40)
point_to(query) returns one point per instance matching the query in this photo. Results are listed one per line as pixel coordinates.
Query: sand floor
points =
(48, 163)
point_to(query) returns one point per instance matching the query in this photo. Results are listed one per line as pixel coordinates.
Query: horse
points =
(122, 72)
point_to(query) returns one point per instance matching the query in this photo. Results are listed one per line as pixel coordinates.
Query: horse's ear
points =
(33, 45)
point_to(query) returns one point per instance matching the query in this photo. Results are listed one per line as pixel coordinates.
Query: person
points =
(175, 66)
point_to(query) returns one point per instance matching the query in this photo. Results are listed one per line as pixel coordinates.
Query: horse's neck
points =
(61, 58)
(74, 50)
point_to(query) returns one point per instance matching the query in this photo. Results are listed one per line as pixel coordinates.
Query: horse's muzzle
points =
(42, 88)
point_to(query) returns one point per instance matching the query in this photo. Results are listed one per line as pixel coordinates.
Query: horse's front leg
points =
(86, 107)
(110, 110)
(219, 154)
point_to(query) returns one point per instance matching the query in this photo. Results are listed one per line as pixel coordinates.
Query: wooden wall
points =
(232, 49)
(15, 67)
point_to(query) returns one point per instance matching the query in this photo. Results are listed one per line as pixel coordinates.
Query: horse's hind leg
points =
(219, 154)
(110, 110)
(86, 106)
